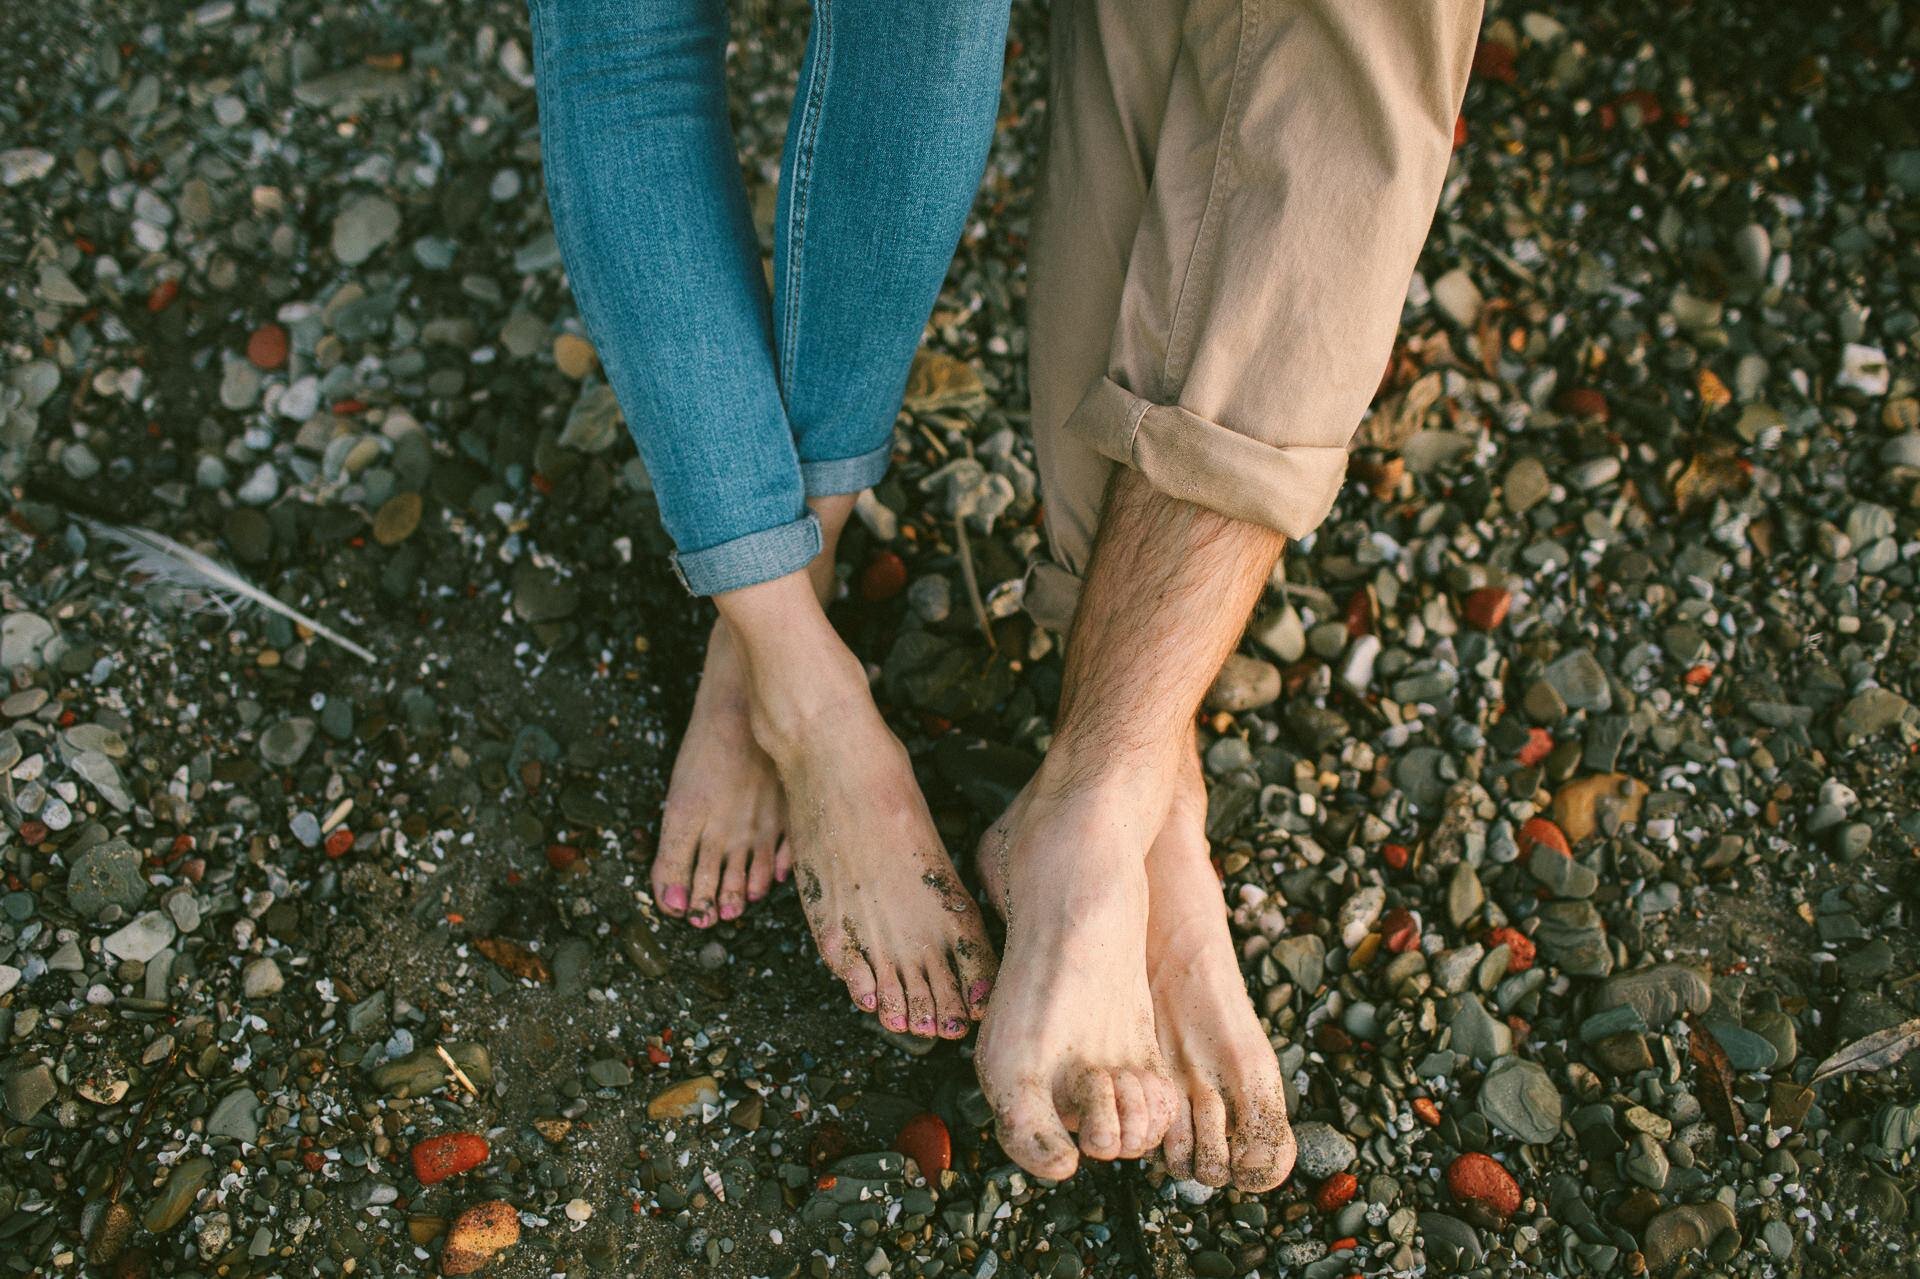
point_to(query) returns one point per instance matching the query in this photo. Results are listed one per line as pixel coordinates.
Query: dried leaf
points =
(515, 958)
(1396, 422)
(1716, 1075)
(1873, 1052)
(1708, 476)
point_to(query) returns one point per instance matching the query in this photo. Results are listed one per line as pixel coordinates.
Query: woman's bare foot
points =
(722, 830)
(886, 908)
(1068, 1043)
(1231, 1123)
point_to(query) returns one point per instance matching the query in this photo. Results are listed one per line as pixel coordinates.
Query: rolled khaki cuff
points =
(1289, 488)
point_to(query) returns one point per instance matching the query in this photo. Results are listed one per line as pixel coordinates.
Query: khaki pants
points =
(1234, 195)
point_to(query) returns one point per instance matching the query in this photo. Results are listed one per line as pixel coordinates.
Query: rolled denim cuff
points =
(847, 474)
(750, 560)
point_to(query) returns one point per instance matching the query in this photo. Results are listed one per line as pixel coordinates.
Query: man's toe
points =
(1138, 1134)
(1210, 1153)
(1031, 1133)
(1099, 1116)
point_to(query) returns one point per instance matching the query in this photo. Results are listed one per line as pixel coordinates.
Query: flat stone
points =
(1519, 1098)
(1476, 1032)
(261, 978)
(1525, 485)
(1465, 894)
(1660, 994)
(106, 875)
(1323, 1150)
(1452, 1245)
(1572, 937)
(141, 940)
(687, 1099)
(177, 1196)
(1683, 1229)
(236, 1116)
(22, 638)
(1562, 875)
(364, 227)
(1304, 958)
(593, 424)
(29, 1091)
(1244, 684)
(421, 1072)
(1579, 680)
(284, 743)
(1458, 297)
(541, 595)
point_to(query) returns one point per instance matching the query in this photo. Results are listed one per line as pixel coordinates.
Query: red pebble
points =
(1487, 607)
(33, 832)
(1698, 675)
(1539, 746)
(1336, 1192)
(562, 857)
(1427, 1111)
(1494, 61)
(438, 1158)
(1583, 401)
(1359, 614)
(1519, 948)
(267, 348)
(1540, 830)
(1459, 132)
(163, 295)
(1400, 930)
(1479, 1180)
(340, 843)
(884, 577)
(925, 1140)
(1395, 856)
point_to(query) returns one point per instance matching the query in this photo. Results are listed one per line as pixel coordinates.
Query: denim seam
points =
(1180, 337)
(813, 108)
(749, 559)
(830, 476)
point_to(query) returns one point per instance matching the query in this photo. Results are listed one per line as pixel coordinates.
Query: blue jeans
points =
(743, 406)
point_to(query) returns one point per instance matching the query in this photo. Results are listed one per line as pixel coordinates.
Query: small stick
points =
(973, 582)
(458, 1073)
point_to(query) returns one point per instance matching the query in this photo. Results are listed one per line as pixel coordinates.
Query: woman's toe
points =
(921, 1017)
(948, 1005)
(890, 1000)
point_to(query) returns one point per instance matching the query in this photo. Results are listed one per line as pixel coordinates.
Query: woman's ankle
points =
(802, 677)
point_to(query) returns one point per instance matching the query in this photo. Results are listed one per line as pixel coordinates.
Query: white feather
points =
(161, 558)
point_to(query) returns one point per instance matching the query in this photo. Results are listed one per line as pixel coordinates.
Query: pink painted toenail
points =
(866, 1002)
(730, 910)
(954, 1025)
(780, 874)
(896, 1023)
(978, 991)
(674, 897)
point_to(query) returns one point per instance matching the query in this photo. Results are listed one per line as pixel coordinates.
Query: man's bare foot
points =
(722, 832)
(887, 910)
(1068, 1043)
(1231, 1123)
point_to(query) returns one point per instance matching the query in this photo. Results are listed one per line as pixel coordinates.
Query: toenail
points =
(954, 1025)
(674, 897)
(730, 910)
(780, 874)
(978, 991)
(866, 1002)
